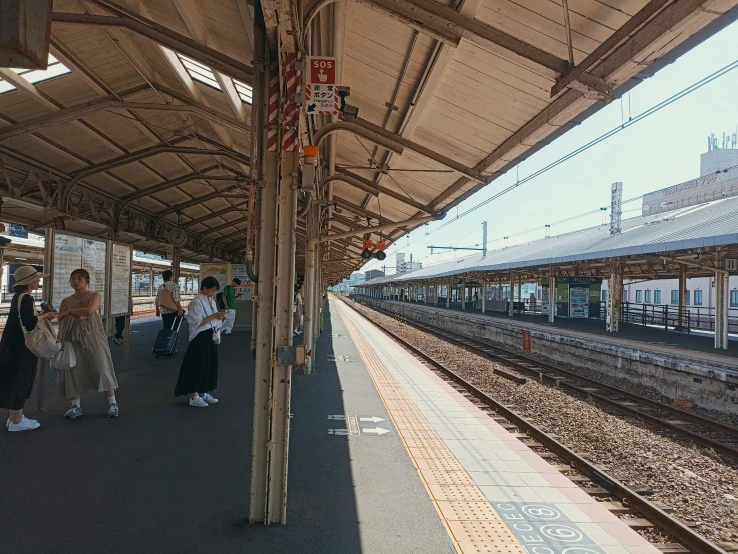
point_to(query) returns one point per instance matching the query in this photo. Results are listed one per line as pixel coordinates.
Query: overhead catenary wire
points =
(652, 110)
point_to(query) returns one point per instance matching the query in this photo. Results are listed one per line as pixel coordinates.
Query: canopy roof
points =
(649, 247)
(154, 117)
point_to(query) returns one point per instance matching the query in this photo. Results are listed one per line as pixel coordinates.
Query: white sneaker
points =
(24, 425)
(207, 397)
(198, 402)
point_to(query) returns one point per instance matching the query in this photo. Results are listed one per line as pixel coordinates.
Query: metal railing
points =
(7, 294)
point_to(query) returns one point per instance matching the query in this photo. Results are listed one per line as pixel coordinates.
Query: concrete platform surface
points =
(492, 492)
(166, 477)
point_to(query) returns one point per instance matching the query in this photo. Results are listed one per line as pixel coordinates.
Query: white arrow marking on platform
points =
(376, 431)
(373, 419)
(337, 417)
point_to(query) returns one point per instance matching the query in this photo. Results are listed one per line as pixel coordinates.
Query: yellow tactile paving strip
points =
(471, 522)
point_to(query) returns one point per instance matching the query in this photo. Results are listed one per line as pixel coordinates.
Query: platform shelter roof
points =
(144, 122)
(652, 246)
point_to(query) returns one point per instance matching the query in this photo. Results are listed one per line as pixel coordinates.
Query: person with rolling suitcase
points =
(166, 339)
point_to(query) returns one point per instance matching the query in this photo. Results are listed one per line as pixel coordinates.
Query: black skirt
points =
(199, 370)
(17, 374)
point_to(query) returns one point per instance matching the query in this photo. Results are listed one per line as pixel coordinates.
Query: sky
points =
(661, 150)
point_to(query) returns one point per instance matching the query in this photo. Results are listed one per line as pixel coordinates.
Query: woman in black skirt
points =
(17, 363)
(199, 372)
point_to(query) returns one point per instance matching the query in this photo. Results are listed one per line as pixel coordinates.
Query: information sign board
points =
(120, 279)
(72, 252)
(321, 100)
(219, 271)
(245, 291)
(321, 70)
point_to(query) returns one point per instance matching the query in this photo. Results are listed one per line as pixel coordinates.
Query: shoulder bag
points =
(65, 359)
(41, 341)
(166, 300)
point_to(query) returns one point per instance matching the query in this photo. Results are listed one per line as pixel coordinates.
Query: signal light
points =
(366, 254)
(380, 255)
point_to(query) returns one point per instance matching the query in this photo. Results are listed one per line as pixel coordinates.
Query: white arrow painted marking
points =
(338, 431)
(342, 417)
(375, 431)
(373, 419)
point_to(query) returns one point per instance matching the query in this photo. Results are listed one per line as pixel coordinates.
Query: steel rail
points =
(597, 475)
(528, 365)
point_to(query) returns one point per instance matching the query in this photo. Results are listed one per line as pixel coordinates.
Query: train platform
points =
(697, 345)
(384, 457)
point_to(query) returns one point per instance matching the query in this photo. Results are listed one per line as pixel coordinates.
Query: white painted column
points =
(448, 295)
(551, 298)
(719, 307)
(484, 295)
(463, 296)
(512, 294)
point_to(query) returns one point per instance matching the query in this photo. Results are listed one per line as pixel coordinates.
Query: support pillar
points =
(512, 294)
(448, 295)
(682, 296)
(268, 501)
(551, 298)
(151, 281)
(463, 296)
(311, 285)
(484, 295)
(726, 306)
(614, 299)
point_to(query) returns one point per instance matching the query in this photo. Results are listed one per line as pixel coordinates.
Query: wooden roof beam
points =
(195, 24)
(161, 35)
(230, 209)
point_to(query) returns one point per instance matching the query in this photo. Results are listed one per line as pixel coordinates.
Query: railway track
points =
(711, 434)
(658, 515)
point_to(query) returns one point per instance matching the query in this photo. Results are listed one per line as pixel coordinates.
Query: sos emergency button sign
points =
(321, 70)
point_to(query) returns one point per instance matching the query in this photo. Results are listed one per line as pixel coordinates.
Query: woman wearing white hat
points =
(17, 363)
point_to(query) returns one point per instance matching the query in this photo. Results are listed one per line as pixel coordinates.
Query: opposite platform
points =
(491, 491)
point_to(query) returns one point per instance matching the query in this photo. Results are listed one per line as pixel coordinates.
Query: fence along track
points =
(653, 513)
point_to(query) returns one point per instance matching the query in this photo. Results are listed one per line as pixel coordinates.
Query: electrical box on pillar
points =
(309, 163)
(25, 28)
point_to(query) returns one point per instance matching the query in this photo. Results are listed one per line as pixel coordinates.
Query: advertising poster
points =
(219, 271)
(245, 291)
(578, 302)
(72, 253)
(120, 279)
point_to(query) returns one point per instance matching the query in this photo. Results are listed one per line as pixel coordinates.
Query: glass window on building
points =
(648, 296)
(625, 295)
(675, 297)
(657, 296)
(604, 296)
(698, 298)
(687, 297)
(732, 189)
(639, 296)
(699, 198)
(725, 192)
(734, 298)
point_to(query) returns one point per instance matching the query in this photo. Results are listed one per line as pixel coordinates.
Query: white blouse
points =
(199, 308)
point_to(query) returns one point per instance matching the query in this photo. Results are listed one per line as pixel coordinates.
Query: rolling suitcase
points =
(166, 340)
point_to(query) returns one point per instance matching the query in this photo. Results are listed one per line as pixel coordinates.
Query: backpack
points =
(219, 301)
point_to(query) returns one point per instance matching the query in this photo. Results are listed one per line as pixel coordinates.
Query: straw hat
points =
(27, 274)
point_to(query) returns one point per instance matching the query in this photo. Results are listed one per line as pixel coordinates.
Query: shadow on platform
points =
(166, 477)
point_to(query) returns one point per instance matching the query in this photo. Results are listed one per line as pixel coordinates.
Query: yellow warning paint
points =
(472, 524)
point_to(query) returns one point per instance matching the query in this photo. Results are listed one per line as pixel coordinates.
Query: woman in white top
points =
(198, 375)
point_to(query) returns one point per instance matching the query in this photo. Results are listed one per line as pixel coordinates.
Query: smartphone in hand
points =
(47, 307)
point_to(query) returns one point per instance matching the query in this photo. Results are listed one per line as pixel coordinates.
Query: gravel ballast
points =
(702, 490)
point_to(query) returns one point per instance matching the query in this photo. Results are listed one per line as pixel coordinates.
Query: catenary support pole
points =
(463, 295)
(448, 294)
